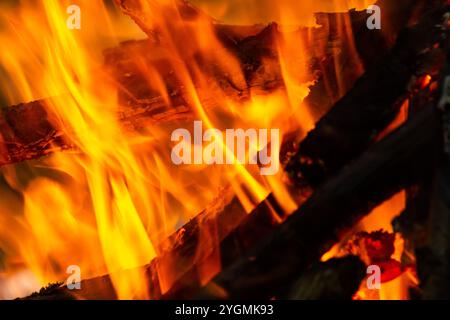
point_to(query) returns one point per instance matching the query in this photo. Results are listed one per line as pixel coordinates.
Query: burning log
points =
(310, 232)
(182, 252)
(370, 106)
(49, 144)
(412, 223)
(340, 72)
(266, 210)
(306, 235)
(29, 134)
(269, 269)
(25, 133)
(185, 250)
(377, 250)
(423, 223)
(432, 249)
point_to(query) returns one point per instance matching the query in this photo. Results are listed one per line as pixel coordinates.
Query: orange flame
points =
(108, 206)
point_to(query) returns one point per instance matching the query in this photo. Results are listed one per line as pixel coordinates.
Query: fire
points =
(107, 205)
(291, 12)
(59, 223)
(396, 278)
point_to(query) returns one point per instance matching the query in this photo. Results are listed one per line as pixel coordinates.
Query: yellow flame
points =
(110, 203)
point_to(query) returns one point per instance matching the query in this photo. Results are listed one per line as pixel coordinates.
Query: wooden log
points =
(412, 223)
(371, 105)
(340, 202)
(232, 246)
(27, 131)
(383, 170)
(335, 279)
(29, 134)
(344, 69)
(238, 241)
(185, 251)
(424, 222)
(433, 254)
(308, 233)
(265, 219)
(269, 268)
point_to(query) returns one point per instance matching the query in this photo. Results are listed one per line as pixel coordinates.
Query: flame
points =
(109, 204)
(400, 278)
(264, 11)
(60, 231)
(381, 218)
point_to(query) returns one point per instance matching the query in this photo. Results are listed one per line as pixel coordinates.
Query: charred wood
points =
(263, 215)
(29, 134)
(371, 105)
(433, 257)
(335, 279)
(381, 171)
(269, 269)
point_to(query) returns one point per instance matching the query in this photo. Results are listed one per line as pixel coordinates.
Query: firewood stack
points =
(342, 169)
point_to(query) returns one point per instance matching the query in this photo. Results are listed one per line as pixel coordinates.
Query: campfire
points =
(170, 149)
